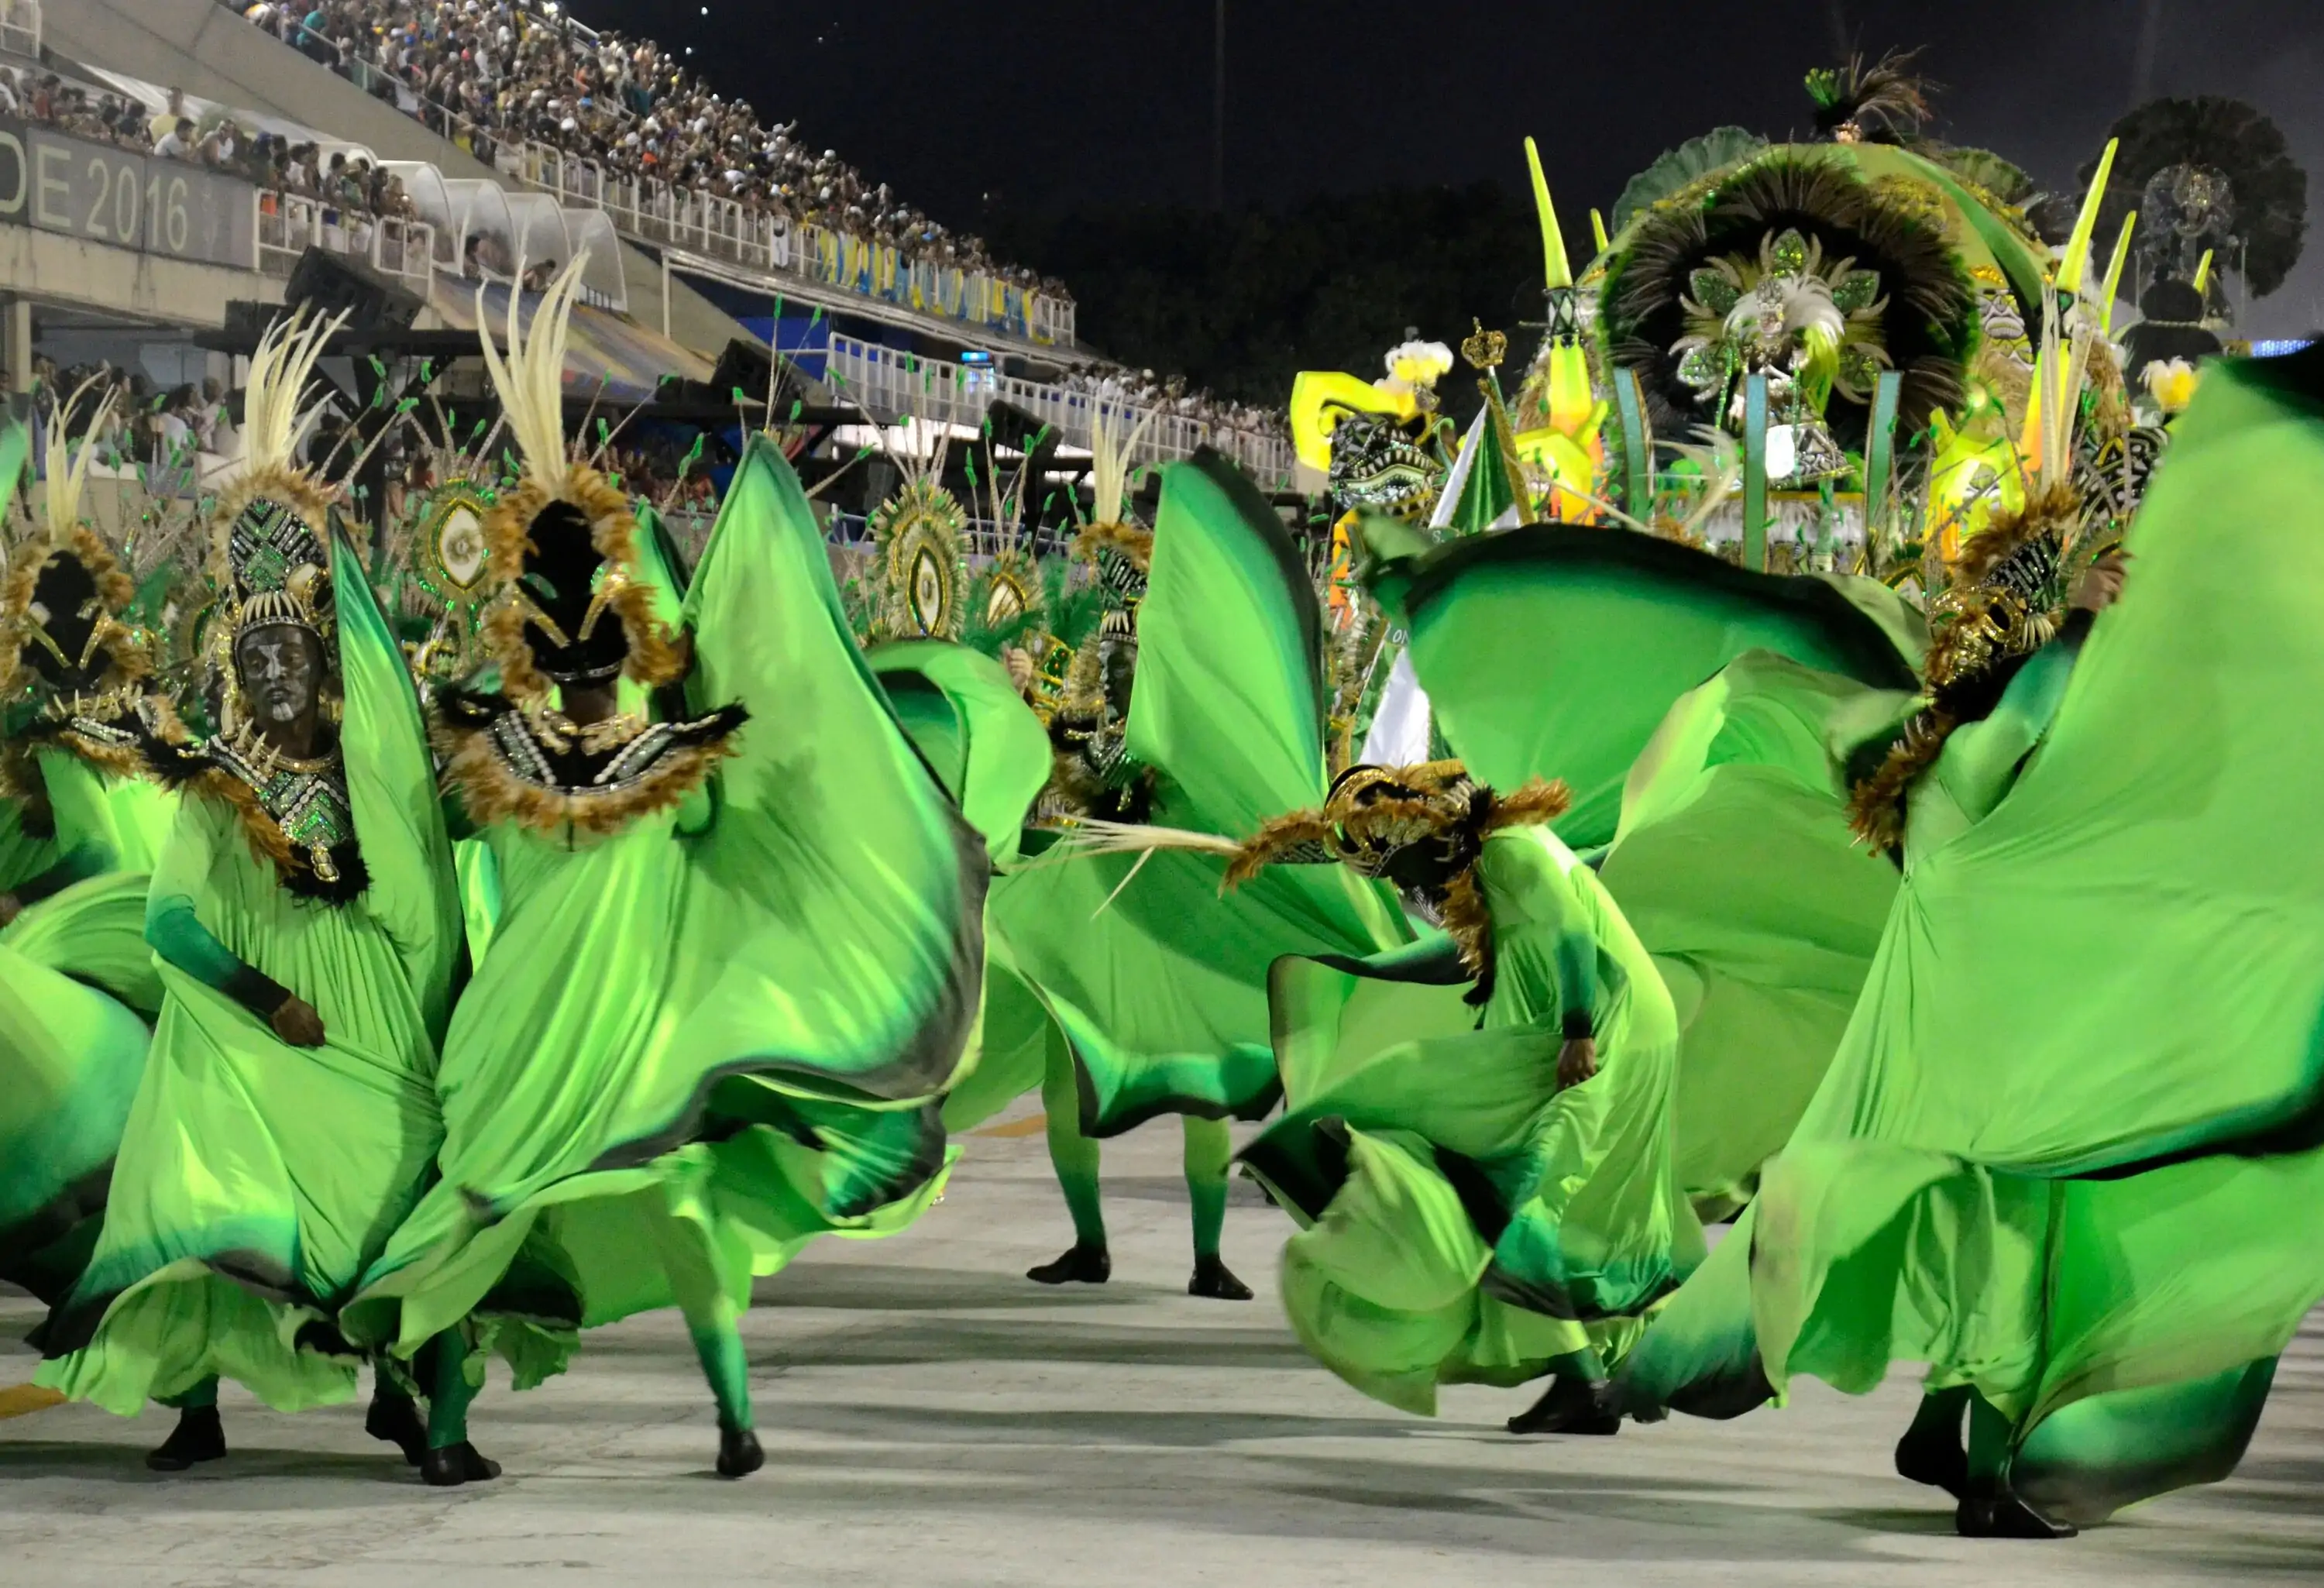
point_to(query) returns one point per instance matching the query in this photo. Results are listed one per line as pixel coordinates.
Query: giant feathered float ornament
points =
(2208, 174)
(1882, 287)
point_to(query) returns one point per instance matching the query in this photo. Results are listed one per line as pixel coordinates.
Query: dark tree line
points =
(1239, 302)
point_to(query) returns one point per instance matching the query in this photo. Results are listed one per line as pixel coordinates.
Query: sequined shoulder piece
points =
(535, 767)
(296, 814)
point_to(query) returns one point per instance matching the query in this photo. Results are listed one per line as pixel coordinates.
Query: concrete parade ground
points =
(931, 1419)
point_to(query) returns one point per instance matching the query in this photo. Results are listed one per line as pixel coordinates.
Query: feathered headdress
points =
(1121, 549)
(63, 607)
(1420, 827)
(1887, 99)
(270, 556)
(2009, 588)
(920, 538)
(561, 540)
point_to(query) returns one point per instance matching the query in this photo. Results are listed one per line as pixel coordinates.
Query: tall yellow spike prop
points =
(1573, 412)
(1554, 266)
(1598, 232)
(2057, 375)
(2075, 262)
(2114, 274)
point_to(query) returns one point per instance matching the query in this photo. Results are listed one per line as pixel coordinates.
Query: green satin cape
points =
(255, 1181)
(2066, 1152)
(740, 1014)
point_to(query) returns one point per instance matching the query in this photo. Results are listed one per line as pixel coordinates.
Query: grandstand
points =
(126, 249)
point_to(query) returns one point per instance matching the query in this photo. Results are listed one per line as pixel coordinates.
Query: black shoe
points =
(1571, 1406)
(1213, 1279)
(396, 1421)
(198, 1436)
(455, 1465)
(1936, 1460)
(2005, 1514)
(739, 1454)
(1082, 1265)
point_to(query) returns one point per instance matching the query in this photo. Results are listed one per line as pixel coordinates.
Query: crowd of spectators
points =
(341, 183)
(488, 74)
(148, 423)
(1168, 394)
(493, 69)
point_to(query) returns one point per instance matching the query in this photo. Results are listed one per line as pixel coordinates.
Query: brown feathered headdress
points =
(561, 540)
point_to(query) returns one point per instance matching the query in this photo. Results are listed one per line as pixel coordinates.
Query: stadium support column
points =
(16, 342)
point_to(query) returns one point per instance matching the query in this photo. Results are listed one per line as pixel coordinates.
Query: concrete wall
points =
(210, 52)
(51, 267)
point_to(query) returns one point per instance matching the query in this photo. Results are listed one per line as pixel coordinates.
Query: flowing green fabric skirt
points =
(1735, 865)
(1463, 1219)
(255, 1180)
(77, 988)
(572, 1115)
(2066, 1152)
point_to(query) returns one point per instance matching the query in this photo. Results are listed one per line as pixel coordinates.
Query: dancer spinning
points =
(307, 928)
(715, 1017)
(2081, 1225)
(1481, 1199)
(78, 989)
(1198, 705)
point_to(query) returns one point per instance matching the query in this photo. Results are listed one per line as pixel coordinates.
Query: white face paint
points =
(279, 675)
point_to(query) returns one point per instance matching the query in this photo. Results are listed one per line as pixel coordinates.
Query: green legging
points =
(442, 1365)
(1208, 1149)
(712, 1318)
(201, 1396)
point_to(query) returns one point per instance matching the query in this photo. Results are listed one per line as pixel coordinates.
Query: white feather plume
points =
(1109, 452)
(273, 423)
(68, 474)
(531, 379)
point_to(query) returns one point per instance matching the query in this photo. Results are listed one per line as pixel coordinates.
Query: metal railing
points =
(288, 224)
(892, 385)
(651, 210)
(20, 27)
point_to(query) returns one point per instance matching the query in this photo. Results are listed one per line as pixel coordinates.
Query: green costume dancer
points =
(304, 917)
(1551, 648)
(717, 1013)
(1481, 1197)
(1199, 706)
(2062, 1151)
(78, 989)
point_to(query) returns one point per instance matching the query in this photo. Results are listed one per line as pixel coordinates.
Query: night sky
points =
(1073, 102)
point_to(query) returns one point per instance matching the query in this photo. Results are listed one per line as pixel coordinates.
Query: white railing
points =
(892, 385)
(651, 210)
(20, 27)
(290, 224)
